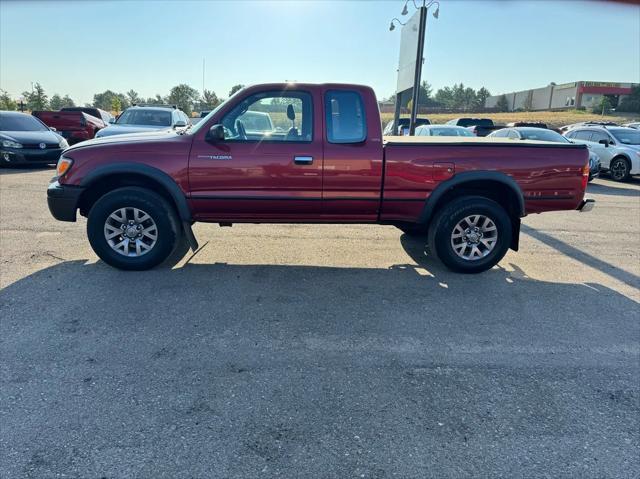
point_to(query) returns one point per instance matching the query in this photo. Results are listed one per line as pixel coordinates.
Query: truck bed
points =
(550, 175)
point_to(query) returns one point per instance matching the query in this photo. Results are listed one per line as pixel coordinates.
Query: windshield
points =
(139, 116)
(543, 135)
(475, 122)
(450, 132)
(627, 136)
(15, 122)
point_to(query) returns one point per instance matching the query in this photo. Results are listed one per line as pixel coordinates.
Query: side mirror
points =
(180, 124)
(604, 142)
(215, 133)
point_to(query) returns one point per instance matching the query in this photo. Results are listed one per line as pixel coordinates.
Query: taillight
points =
(585, 176)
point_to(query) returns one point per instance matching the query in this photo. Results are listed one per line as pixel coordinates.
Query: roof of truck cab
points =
(471, 141)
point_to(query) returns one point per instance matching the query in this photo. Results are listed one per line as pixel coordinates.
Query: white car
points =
(442, 130)
(633, 124)
(618, 148)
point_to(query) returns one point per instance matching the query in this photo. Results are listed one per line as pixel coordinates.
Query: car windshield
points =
(139, 116)
(543, 135)
(627, 136)
(14, 122)
(449, 132)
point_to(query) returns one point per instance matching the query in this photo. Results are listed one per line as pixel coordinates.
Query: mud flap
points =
(515, 234)
(191, 238)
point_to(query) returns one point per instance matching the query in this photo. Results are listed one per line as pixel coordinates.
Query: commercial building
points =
(580, 94)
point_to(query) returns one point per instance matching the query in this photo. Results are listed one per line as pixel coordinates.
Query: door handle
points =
(303, 160)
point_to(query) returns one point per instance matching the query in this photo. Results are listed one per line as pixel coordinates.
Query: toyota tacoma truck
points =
(324, 161)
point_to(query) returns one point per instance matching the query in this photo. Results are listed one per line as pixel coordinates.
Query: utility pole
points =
(415, 94)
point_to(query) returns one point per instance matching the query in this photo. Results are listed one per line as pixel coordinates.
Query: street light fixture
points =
(392, 27)
(423, 9)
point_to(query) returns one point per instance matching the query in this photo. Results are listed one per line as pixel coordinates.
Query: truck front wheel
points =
(471, 234)
(133, 228)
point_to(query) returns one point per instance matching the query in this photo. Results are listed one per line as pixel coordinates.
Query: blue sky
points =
(81, 48)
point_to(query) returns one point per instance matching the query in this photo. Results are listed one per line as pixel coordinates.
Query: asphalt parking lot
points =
(320, 351)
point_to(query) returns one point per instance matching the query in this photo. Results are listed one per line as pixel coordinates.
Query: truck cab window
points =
(346, 122)
(271, 116)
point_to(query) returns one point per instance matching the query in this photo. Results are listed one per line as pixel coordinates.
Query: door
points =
(605, 153)
(267, 167)
(352, 157)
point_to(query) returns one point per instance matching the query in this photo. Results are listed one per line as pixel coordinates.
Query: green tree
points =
(631, 103)
(183, 96)
(444, 96)
(133, 97)
(603, 106)
(209, 100)
(503, 103)
(57, 102)
(104, 100)
(116, 104)
(67, 102)
(235, 88)
(481, 97)
(6, 103)
(36, 99)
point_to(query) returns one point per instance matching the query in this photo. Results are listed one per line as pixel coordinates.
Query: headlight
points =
(63, 166)
(11, 144)
(63, 143)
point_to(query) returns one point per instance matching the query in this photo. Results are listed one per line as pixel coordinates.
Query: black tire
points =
(620, 169)
(169, 232)
(443, 224)
(413, 229)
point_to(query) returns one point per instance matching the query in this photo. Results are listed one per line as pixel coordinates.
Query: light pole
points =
(423, 9)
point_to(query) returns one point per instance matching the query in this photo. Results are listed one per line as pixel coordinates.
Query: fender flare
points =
(150, 172)
(465, 177)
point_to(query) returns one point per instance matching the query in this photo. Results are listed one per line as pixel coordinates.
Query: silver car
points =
(543, 134)
(139, 119)
(618, 148)
(443, 130)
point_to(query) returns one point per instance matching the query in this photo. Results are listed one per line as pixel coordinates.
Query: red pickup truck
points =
(321, 158)
(75, 124)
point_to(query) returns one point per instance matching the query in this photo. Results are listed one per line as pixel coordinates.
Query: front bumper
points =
(63, 200)
(29, 156)
(586, 206)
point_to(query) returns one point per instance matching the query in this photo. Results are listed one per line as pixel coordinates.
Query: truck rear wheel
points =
(133, 228)
(471, 234)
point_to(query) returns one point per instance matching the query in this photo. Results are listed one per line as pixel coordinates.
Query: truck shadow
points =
(606, 186)
(579, 255)
(265, 361)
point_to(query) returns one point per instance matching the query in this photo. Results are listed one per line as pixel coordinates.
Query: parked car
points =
(618, 148)
(403, 126)
(26, 140)
(74, 126)
(137, 119)
(564, 129)
(533, 124)
(477, 126)
(105, 116)
(466, 122)
(541, 134)
(141, 193)
(633, 124)
(442, 130)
